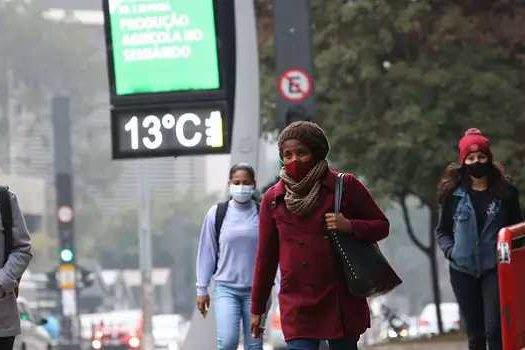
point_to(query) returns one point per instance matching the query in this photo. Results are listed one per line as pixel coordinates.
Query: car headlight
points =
(173, 346)
(134, 342)
(96, 344)
(392, 333)
(403, 333)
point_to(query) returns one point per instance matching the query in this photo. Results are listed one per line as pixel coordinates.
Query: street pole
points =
(294, 61)
(9, 119)
(69, 330)
(144, 209)
(247, 121)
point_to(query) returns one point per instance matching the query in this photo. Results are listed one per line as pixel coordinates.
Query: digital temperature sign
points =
(172, 76)
(168, 131)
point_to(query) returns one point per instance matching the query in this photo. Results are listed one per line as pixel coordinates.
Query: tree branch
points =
(409, 227)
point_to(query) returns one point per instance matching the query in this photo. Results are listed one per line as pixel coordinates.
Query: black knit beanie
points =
(308, 133)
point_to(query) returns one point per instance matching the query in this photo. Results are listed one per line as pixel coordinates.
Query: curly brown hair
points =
(454, 176)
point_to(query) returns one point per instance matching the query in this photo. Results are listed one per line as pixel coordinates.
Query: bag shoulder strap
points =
(338, 196)
(220, 214)
(7, 220)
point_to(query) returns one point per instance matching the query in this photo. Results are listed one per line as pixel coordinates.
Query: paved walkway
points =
(428, 345)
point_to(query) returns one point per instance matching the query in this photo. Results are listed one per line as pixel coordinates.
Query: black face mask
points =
(478, 170)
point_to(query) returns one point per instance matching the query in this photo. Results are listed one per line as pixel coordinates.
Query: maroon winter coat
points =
(313, 299)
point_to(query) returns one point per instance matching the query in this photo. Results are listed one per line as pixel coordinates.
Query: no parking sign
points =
(295, 85)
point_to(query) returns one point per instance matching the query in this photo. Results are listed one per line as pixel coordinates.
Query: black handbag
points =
(367, 272)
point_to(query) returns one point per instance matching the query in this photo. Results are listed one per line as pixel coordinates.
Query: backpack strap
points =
(220, 214)
(7, 220)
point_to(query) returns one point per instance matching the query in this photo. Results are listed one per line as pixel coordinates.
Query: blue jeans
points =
(312, 344)
(232, 305)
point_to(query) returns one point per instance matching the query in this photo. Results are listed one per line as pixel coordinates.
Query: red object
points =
(473, 141)
(423, 323)
(511, 265)
(314, 301)
(276, 321)
(111, 336)
(295, 85)
(298, 170)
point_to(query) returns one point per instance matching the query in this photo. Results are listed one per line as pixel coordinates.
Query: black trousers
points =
(7, 343)
(478, 300)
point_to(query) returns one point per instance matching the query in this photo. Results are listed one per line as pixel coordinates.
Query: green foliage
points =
(397, 84)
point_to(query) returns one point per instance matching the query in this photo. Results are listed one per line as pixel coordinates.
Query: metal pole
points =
(65, 214)
(294, 61)
(246, 128)
(9, 120)
(144, 208)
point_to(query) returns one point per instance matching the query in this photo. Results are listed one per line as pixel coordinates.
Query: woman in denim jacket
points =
(476, 201)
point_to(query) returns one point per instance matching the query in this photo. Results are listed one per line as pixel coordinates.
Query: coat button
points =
(304, 263)
(326, 237)
(301, 243)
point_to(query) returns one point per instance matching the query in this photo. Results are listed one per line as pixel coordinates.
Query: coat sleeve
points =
(267, 258)
(20, 256)
(445, 227)
(369, 223)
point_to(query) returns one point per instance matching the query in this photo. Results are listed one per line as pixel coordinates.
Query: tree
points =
(397, 83)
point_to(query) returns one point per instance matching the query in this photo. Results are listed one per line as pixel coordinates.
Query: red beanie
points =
(473, 141)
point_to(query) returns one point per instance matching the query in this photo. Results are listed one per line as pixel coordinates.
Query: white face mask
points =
(241, 193)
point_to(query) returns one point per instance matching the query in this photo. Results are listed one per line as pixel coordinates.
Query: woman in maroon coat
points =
(295, 216)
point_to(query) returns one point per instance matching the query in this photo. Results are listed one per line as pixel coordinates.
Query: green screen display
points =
(163, 46)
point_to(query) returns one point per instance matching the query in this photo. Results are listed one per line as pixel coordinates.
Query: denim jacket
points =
(457, 232)
(473, 252)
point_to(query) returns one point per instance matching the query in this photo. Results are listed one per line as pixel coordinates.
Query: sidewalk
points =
(453, 342)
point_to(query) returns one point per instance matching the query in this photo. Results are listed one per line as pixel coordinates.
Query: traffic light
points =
(67, 256)
(52, 282)
(87, 278)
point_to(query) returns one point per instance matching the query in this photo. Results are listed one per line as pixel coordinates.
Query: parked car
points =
(397, 325)
(34, 336)
(118, 330)
(169, 331)
(427, 322)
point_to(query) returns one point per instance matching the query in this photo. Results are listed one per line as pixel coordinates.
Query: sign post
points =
(293, 44)
(65, 218)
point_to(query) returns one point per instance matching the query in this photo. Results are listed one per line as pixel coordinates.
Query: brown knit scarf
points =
(302, 197)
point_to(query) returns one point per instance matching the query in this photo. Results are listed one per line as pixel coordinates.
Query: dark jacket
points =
(471, 250)
(314, 300)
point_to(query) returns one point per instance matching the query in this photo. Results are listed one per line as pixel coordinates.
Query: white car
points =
(427, 322)
(169, 331)
(33, 336)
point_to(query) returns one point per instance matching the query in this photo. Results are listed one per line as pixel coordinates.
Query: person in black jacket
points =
(476, 200)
